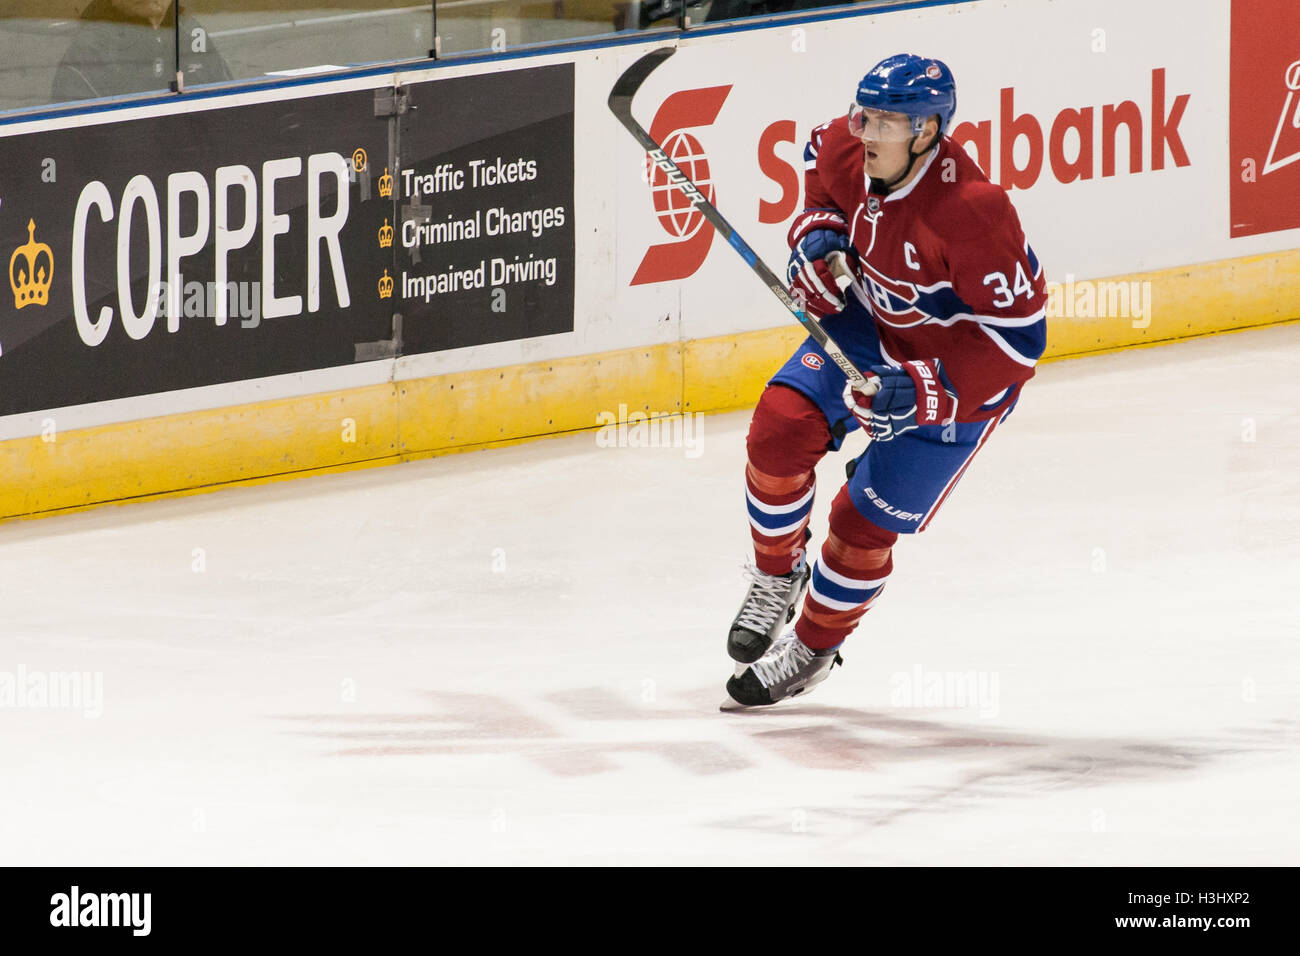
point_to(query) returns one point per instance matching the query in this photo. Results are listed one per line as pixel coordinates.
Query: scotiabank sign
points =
(1264, 124)
(1103, 140)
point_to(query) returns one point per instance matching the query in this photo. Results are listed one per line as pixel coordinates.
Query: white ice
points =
(516, 656)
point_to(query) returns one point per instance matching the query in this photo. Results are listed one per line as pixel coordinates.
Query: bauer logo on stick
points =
(676, 181)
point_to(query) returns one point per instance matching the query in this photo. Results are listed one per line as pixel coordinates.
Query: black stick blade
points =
(620, 97)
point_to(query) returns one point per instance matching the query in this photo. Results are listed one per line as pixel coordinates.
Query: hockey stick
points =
(620, 104)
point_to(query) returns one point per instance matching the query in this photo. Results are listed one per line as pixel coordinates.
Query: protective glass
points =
(881, 126)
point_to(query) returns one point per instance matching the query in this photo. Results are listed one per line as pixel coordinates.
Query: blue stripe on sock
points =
(837, 592)
(765, 520)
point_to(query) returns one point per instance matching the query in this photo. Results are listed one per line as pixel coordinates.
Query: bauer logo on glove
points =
(917, 394)
(928, 391)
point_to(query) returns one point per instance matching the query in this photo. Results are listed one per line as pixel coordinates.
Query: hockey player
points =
(946, 310)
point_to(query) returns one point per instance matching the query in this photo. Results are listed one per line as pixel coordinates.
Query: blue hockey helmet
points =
(918, 86)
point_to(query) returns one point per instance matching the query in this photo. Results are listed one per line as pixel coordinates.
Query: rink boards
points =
(537, 277)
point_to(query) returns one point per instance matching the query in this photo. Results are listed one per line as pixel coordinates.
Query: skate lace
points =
(783, 659)
(765, 601)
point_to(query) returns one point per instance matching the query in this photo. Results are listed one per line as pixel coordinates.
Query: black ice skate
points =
(769, 606)
(788, 669)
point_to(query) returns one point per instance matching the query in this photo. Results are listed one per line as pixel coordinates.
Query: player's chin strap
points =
(884, 188)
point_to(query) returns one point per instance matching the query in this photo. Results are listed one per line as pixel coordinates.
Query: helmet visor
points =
(880, 126)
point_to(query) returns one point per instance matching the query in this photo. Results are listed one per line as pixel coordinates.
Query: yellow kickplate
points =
(380, 424)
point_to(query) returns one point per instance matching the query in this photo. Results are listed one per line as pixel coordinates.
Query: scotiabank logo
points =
(691, 233)
(1264, 118)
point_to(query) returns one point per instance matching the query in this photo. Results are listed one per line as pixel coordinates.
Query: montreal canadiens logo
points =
(812, 360)
(933, 71)
(894, 302)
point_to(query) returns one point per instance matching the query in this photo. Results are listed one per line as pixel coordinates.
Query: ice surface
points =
(516, 656)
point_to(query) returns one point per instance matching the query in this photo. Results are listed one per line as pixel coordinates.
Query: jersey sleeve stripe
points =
(1001, 321)
(1029, 358)
(993, 402)
(1035, 267)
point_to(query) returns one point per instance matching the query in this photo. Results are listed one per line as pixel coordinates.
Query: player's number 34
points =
(1007, 294)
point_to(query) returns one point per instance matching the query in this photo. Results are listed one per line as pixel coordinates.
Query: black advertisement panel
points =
(487, 209)
(229, 244)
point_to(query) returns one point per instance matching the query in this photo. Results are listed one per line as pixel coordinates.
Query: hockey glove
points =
(917, 394)
(814, 235)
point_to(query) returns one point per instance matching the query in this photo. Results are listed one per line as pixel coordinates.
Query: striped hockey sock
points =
(788, 435)
(847, 578)
(779, 509)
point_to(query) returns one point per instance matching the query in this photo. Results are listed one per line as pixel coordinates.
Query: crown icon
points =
(30, 278)
(386, 286)
(385, 184)
(385, 235)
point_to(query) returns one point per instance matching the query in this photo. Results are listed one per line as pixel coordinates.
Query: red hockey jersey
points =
(943, 267)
